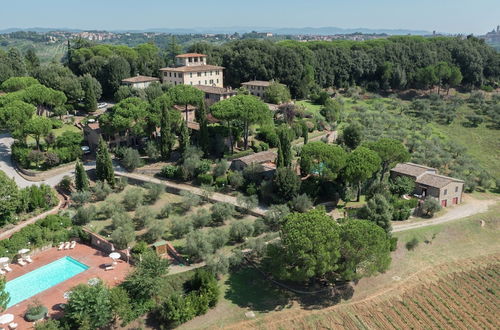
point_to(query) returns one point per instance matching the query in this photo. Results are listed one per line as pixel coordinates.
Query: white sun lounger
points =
(72, 245)
(109, 267)
(7, 268)
(67, 245)
(28, 259)
(21, 262)
(61, 246)
(13, 325)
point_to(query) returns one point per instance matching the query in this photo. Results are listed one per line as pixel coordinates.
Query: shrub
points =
(205, 179)
(221, 181)
(218, 237)
(240, 230)
(220, 168)
(394, 243)
(275, 215)
(84, 215)
(247, 202)
(268, 134)
(236, 179)
(49, 324)
(80, 197)
(301, 203)
(121, 219)
(180, 227)
(259, 227)
(143, 217)
(198, 245)
(201, 218)
(35, 312)
(121, 183)
(131, 159)
(412, 244)
(402, 185)
(170, 171)
(203, 166)
(430, 207)
(189, 200)
(152, 151)
(474, 120)
(153, 192)
(51, 159)
(133, 198)
(218, 263)
(155, 232)
(66, 183)
(110, 207)
(101, 190)
(123, 236)
(166, 211)
(221, 212)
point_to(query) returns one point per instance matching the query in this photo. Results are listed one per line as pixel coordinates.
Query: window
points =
(170, 74)
(199, 82)
(175, 75)
(217, 72)
(205, 82)
(211, 81)
(205, 73)
(179, 75)
(456, 189)
(445, 192)
(199, 74)
(190, 60)
(210, 72)
(191, 82)
(190, 75)
(217, 80)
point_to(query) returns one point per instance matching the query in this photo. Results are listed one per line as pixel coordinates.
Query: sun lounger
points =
(28, 259)
(13, 325)
(72, 245)
(21, 262)
(67, 245)
(61, 246)
(109, 267)
(7, 268)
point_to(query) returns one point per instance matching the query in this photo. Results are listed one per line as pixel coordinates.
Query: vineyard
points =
(441, 299)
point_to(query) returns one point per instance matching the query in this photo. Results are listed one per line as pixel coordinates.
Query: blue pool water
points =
(43, 278)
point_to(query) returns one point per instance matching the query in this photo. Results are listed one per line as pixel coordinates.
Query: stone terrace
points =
(52, 297)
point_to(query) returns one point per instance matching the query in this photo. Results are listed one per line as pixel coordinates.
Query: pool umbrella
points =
(23, 251)
(114, 255)
(4, 260)
(6, 318)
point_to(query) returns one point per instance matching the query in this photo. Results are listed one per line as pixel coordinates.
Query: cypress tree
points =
(165, 134)
(104, 165)
(305, 133)
(285, 146)
(183, 136)
(81, 179)
(280, 161)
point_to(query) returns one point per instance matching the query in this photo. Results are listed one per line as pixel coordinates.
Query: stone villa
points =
(256, 87)
(428, 183)
(192, 69)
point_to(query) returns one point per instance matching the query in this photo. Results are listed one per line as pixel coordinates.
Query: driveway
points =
(470, 207)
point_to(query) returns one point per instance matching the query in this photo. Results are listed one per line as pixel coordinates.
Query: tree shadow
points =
(247, 288)
(325, 298)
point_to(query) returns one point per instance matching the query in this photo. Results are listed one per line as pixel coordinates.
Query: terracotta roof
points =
(193, 125)
(257, 83)
(183, 107)
(436, 180)
(93, 126)
(191, 55)
(215, 90)
(139, 79)
(412, 169)
(259, 158)
(193, 68)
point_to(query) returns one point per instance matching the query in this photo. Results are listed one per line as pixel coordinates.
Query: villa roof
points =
(257, 83)
(183, 107)
(215, 90)
(436, 180)
(412, 169)
(191, 55)
(139, 79)
(193, 68)
(259, 158)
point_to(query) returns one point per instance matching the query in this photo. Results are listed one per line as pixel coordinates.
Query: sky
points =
(448, 16)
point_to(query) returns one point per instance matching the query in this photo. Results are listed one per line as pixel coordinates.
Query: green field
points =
(45, 51)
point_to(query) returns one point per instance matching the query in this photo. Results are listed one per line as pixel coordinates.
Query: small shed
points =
(161, 247)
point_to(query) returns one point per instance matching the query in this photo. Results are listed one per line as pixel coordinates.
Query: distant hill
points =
(229, 30)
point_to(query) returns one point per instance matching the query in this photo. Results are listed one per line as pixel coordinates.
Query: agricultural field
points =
(46, 52)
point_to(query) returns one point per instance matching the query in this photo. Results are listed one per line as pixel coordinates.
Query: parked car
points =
(102, 105)
(86, 150)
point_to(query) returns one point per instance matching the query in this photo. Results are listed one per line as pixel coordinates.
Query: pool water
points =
(43, 278)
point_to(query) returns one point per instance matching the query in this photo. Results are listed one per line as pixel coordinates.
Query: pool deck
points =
(52, 297)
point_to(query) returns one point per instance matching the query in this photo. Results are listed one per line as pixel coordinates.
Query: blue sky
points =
(453, 16)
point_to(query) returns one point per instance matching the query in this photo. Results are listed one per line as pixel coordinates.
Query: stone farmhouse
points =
(139, 82)
(428, 183)
(192, 69)
(215, 94)
(264, 158)
(256, 87)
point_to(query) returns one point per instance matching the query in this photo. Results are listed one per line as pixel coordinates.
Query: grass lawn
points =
(314, 108)
(57, 132)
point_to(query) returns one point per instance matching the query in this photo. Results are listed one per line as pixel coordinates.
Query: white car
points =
(86, 149)
(102, 105)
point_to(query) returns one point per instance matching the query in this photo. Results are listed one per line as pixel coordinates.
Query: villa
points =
(257, 87)
(192, 69)
(139, 82)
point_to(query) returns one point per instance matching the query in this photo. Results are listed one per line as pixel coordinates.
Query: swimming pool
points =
(43, 278)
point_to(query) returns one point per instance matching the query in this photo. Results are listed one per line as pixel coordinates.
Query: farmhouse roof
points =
(256, 83)
(193, 68)
(191, 55)
(436, 180)
(259, 158)
(412, 169)
(139, 79)
(215, 90)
